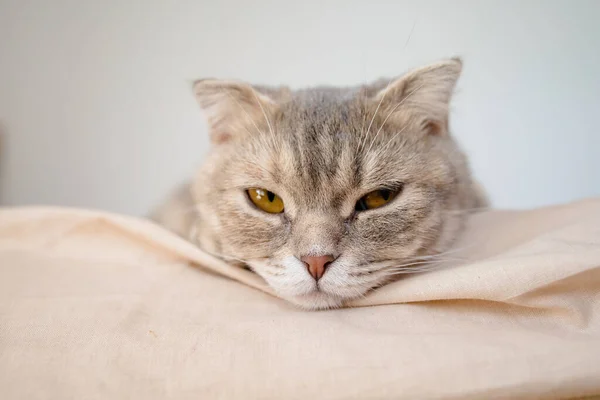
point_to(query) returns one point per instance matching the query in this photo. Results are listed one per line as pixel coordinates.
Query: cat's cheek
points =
(367, 234)
(288, 276)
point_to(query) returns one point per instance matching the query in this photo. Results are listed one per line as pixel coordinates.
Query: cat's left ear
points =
(422, 96)
(233, 109)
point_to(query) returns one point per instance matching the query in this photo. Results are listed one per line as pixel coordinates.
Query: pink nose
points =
(317, 265)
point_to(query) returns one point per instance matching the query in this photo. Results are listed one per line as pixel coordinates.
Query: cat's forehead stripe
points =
(323, 151)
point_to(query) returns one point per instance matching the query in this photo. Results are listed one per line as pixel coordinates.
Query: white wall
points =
(97, 109)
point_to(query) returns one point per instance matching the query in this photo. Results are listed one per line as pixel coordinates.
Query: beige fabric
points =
(101, 306)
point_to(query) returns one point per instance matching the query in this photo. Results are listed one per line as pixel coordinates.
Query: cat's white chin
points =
(317, 300)
(325, 297)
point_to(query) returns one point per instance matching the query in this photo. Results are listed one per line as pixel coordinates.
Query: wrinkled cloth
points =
(95, 305)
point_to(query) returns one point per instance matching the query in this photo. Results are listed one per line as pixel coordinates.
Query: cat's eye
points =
(265, 200)
(376, 199)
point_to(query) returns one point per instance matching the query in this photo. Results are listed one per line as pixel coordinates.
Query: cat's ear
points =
(232, 108)
(422, 96)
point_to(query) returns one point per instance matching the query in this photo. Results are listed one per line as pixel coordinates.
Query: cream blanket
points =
(102, 306)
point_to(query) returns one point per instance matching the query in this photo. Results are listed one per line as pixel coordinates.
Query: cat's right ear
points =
(422, 96)
(232, 109)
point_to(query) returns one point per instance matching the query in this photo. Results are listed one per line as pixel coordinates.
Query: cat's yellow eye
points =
(376, 199)
(266, 201)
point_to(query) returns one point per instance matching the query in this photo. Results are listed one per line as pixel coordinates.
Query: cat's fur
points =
(320, 150)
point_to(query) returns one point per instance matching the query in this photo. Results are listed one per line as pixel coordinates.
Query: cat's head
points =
(324, 191)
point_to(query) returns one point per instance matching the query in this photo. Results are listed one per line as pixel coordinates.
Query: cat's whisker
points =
(390, 265)
(444, 259)
(391, 140)
(410, 263)
(268, 121)
(412, 29)
(409, 272)
(413, 266)
(260, 134)
(417, 260)
(417, 266)
(356, 289)
(442, 254)
(360, 289)
(245, 112)
(362, 129)
(385, 147)
(462, 248)
(364, 139)
(390, 114)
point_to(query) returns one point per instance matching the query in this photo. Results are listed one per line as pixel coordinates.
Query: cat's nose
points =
(317, 265)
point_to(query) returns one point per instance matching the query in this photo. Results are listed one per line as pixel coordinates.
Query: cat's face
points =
(324, 192)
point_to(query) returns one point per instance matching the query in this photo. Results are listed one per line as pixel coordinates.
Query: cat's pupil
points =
(385, 194)
(270, 196)
(360, 205)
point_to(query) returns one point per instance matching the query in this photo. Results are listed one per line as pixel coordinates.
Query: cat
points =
(325, 192)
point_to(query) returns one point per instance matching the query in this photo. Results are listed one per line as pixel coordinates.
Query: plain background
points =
(97, 111)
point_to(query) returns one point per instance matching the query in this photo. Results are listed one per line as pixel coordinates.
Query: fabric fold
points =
(98, 305)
